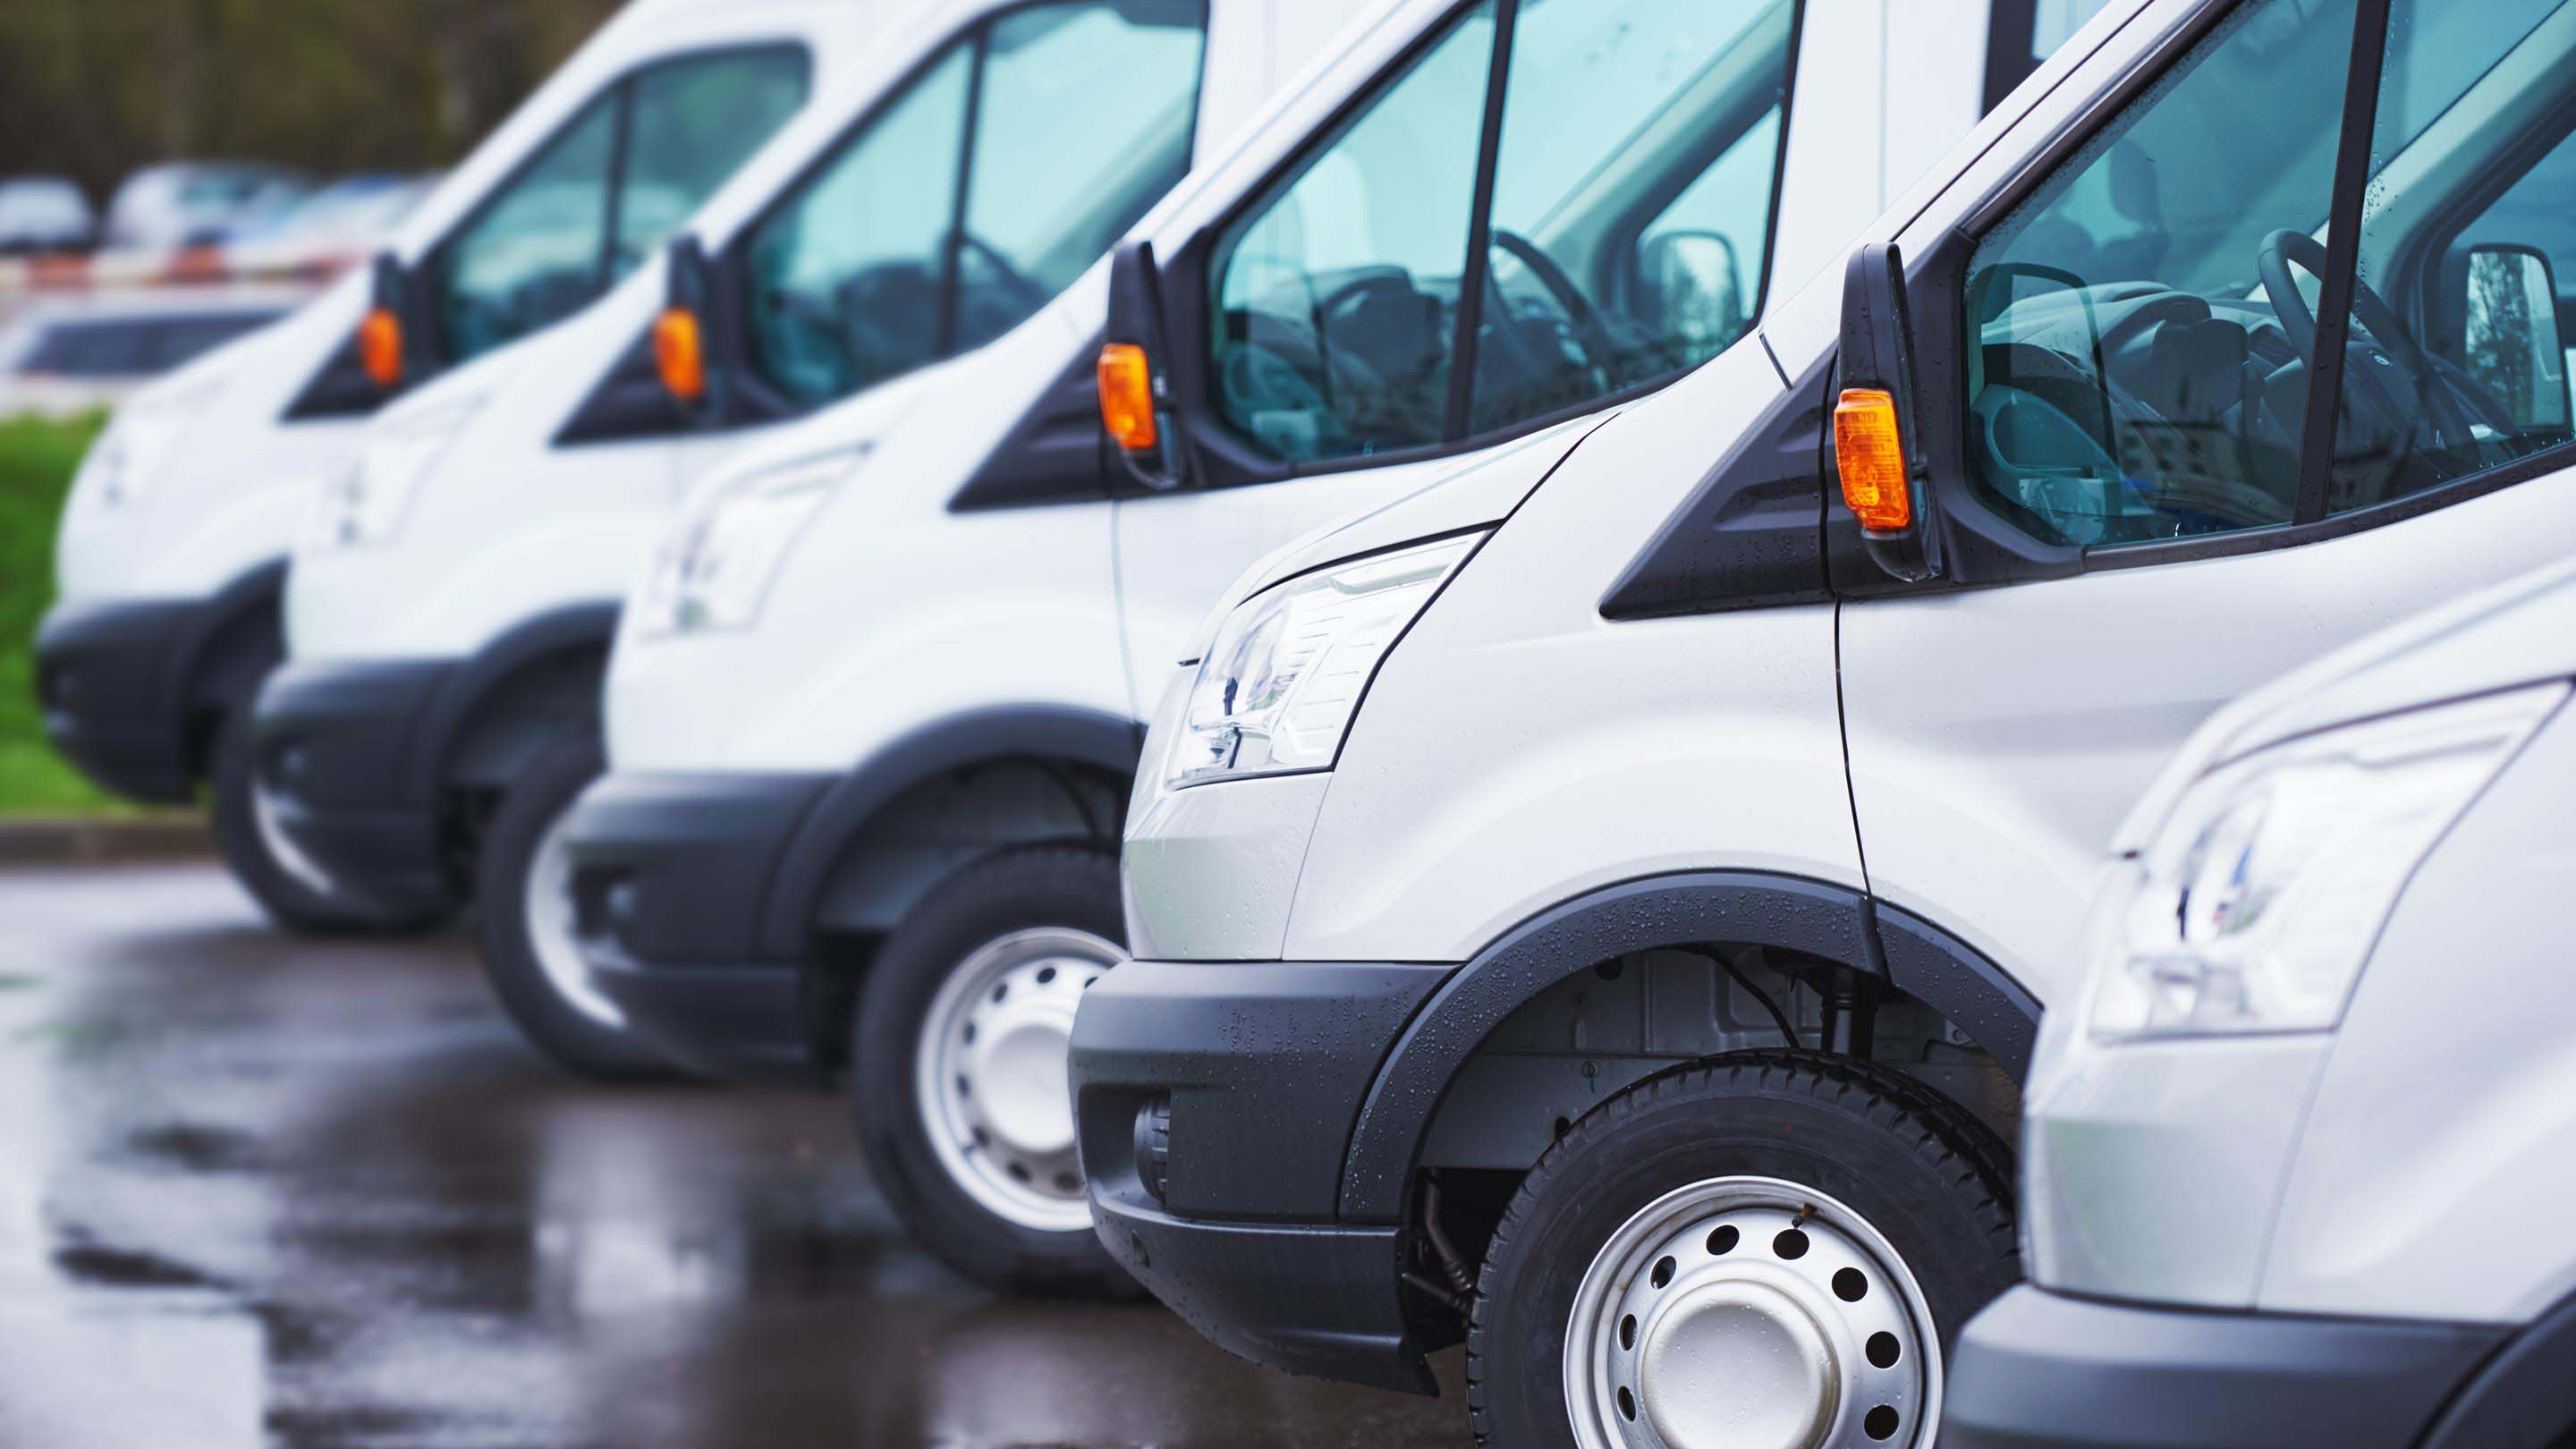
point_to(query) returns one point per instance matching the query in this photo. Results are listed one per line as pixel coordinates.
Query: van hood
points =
(2519, 632)
(1480, 494)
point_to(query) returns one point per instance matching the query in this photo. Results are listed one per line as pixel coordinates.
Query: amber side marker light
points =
(1127, 396)
(380, 347)
(1869, 453)
(680, 352)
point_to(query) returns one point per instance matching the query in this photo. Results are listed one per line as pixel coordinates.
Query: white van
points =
(874, 717)
(452, 603)
(2297, 1161)
(173, 547)
(1600, 907)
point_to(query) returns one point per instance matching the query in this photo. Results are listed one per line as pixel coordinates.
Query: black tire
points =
(1014, 890)
(288, 902)
(567, 1036)
(1935, 1181)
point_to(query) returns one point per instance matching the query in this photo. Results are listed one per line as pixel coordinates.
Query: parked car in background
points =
(874, 713)
(44, 214)
(69, 355)
(337, 227)
(452, 607)
(2299, 1152)
(1600, 908)
(198, 203)
(172, 553)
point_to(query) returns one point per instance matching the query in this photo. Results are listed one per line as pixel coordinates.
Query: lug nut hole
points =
(1791, 1244)
(1628, 1331)
(1663, 1273)
(1881, 1423)
(1851, 1285)
(1046, 975)
(1723, 1241)
(1627, 1405)
(1884, 1350)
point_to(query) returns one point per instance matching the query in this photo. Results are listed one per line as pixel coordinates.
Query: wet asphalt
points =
(263, 1191)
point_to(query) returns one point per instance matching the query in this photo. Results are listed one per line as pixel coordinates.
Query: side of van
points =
(2296, 1165)
(1603, 913)
(875, 716)
(452, 605)
(172, 554)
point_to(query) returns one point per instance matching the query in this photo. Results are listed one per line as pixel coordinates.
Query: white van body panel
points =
(231, 493)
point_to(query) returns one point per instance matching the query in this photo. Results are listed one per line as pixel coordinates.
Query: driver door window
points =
(919, 240)
(534, 253)
(2145, 337)
(1626, 236)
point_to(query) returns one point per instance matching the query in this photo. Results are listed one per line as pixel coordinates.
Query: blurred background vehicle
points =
(65, 356)
(336, 227)
(199, 203)
(44, 214)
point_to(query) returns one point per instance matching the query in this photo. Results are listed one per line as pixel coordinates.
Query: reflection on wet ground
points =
(256, 1190)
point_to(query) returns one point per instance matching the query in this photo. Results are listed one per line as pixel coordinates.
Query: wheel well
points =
(921, 836)
(534, 704)
(1611, 1024)
(248, 643)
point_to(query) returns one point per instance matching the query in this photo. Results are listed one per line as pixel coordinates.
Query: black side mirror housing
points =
(1878, 355)
(1136, 322)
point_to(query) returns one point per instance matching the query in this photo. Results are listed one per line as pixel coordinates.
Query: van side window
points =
(1626, 238)
(1336, 299)
(2144, 332)
(1631, 224)
(918, 240)
(593, 202)
(2458, 353)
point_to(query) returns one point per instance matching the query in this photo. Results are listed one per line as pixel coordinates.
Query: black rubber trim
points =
(675, 867)
(2042, 1371)
(334, 733)
(1950, 976)
(2525, 1396)
(1056, 453)
(463, 691)
(101, 683)
(745, 1022)
(1312, 1300)
(1050, 732)
(1263, 1065)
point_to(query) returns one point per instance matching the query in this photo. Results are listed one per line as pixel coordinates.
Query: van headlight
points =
(1277, 690)
(2255, 904)
(714, 567)
(363, 505)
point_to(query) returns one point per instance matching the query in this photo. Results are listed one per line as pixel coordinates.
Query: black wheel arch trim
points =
(2521, 1398)
(1760, 908)
(463, 693)
(981, 736)
(191, 675)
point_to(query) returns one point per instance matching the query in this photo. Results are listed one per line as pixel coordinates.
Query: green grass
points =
(37, 460)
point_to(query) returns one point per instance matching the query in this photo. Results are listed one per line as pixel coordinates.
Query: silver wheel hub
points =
(552, 938)
(994, 1056)
(1750, 1313)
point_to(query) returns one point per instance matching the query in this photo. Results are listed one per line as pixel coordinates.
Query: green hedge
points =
(37, 459)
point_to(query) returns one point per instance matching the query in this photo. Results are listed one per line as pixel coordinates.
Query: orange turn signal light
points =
(1869, 453)
(380, 347)
(680, 353)
(1127, 396)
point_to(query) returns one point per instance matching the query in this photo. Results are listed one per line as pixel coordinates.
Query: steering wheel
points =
(1583, 333)
(2442, 409)
(1392, 282)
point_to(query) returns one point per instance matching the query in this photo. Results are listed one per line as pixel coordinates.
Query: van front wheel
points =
(959, 1064)
(1775, 1248)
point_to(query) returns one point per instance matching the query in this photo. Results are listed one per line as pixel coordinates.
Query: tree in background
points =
(93, 89)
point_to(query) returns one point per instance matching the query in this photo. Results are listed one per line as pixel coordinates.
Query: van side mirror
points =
(1135, 392)
(383, 346)
(680, 333)
(1878, 450)
(2511, 339)
(1690, 281)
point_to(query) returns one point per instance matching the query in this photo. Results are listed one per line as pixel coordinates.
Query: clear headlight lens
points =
(363, 505)
(139, 441)
(714, 567)
(2257, 901)
(1279, 685)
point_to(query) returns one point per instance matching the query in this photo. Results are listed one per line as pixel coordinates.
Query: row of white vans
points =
(1595, 899)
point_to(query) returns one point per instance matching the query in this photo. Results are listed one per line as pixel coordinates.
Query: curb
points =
(51, 841)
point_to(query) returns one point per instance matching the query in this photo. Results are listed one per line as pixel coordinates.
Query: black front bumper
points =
(337, 744)
(671, 874)
(106, 679)
(1227, 1205)
(2041, 1371)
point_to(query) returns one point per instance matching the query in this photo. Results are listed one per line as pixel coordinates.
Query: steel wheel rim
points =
(552, 937)
(281, 847)
(992, 1074)
(1702, 1287)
